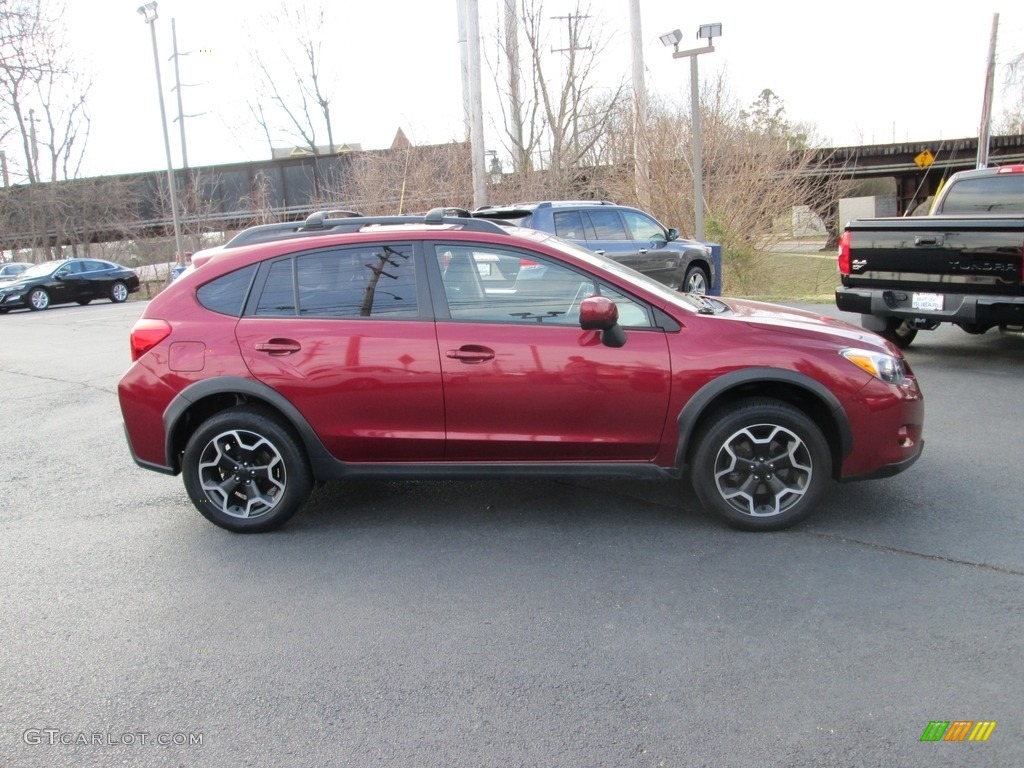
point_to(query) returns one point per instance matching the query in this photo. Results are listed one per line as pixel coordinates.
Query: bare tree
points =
(37, 77)
(554, 123)
(43, 119)
(404, 179)
(299, 89)
(757, 167)
(1012, 118)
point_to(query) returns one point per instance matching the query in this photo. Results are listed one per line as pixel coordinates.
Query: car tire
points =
(245, 471)
(118, 292)
(83, 302)
(899, 332)
(696, 280)
(762, 465)
(38, 299)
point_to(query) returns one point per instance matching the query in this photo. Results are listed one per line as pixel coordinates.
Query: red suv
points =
(442, 346)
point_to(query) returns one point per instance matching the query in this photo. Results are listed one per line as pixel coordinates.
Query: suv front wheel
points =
(245, 471)
(696, 281)
(763, 465)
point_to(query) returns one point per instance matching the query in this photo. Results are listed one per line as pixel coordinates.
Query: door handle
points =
(278, 347)
(643, 251)
(470, 353)
(599, 252)
(928, 240)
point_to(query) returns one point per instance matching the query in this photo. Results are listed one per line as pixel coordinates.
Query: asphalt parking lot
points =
(501, 623)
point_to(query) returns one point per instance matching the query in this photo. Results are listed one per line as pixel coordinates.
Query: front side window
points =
(376, 281)
(497, 286)
(643, 227)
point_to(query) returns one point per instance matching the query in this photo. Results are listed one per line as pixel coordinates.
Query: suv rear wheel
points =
(762, 465)
(245, 471)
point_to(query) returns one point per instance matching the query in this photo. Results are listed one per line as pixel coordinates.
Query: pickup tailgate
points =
(937, 254)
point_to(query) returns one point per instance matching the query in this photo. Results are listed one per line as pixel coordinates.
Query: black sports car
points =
(62, 282)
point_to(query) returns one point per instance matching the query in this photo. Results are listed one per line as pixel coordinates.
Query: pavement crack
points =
(923, 555)
(55, 380)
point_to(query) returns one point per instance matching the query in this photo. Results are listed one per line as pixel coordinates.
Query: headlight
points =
(880, 365)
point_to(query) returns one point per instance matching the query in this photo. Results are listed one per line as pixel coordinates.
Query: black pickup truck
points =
(963, 263)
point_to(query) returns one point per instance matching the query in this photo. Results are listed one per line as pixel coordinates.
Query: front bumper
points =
(14, 300)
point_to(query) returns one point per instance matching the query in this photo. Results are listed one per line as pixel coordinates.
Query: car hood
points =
(18, 282)
(787, 319)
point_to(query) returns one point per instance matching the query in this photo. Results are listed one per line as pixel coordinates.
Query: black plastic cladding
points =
(325, 222)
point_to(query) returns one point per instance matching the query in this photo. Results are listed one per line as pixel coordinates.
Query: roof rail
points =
(327, 222)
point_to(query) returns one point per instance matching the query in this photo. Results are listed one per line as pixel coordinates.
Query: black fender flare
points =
(697, 405)
(238, 385)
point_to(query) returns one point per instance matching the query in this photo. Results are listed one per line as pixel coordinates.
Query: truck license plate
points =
(931, 301)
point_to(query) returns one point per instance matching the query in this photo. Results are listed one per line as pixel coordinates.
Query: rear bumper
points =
(957, 308)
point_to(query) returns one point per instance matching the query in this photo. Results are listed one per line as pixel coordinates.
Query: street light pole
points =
(149, 14)
(708, 31)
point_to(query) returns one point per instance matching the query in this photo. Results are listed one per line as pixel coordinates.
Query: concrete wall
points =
(851, 208)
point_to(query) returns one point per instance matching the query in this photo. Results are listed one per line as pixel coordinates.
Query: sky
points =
(861, 73)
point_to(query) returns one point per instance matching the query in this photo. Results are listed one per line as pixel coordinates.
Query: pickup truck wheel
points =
(696, 280)
(245, 471)
(899, 332)
(762, 464)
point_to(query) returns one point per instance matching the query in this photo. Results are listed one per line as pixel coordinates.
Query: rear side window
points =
(376, 281)
(606, 225)
(569, 225)
(987, 194)
(227, 293)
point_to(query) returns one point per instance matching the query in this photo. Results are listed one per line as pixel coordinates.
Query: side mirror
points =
(599, 313)
(673, 234)
(59, 276)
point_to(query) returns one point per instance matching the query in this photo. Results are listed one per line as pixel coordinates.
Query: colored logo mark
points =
(958, 730)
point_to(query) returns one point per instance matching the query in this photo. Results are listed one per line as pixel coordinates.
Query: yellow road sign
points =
(924, 159)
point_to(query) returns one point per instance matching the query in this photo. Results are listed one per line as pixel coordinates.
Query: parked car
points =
(12, 269)
(63, 282)
(627, 235)
(428, 347)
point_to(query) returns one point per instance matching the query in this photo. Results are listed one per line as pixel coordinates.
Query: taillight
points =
(146, 334)
(1011, 169)
(844, 253)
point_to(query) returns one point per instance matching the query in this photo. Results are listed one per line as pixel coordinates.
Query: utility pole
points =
(177, 88)
(641, 173)
(572, 20)
(520, 161)
(469, 24)
(986, 104)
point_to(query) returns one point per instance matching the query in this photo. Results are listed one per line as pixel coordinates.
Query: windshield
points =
(41, 270)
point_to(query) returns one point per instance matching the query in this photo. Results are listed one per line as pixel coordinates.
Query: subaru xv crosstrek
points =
(450, 347)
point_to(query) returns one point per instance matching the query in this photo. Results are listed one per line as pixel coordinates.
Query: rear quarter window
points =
(226, 294)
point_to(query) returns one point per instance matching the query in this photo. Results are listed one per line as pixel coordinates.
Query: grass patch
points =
(785, 277)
